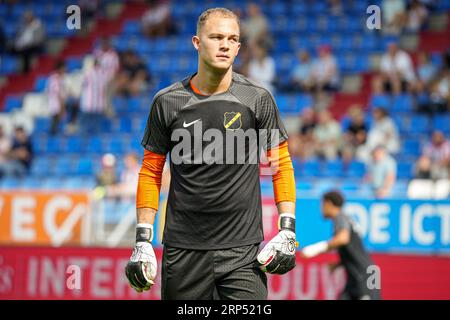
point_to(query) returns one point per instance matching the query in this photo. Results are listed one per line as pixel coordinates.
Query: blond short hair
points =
(226, 13)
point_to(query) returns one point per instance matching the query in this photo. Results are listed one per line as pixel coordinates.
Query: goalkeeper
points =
(213, 225)
(353, 256)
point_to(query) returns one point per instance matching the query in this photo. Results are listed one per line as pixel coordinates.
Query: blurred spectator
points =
(56, 94)
(356, 132)
(440, 93)
(126, 187)
(327, 136)
(426, 71)
(301, 145)
(107, 176)
(156, 21)
(20, 156)
(261, 68)
(255, 28)
(133, 77)
(397, 71)
(384, 132)
(301, 74)
(89, 10)
(336, 7)
(422, 168)
(93, 99)
(30, 39)
(382, 172)
(416, 16)
(394, 16)
(325, 73)
(109, 63)
(435, 157)
(5, 146)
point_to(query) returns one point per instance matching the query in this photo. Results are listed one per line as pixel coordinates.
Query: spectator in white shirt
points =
(383, 132)
(327, 136)
(29, 40)
(325, 73)
(397, 70)
(261, 68)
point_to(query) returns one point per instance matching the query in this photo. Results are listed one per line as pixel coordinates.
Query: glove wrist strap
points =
(144, 232)
(286, 221)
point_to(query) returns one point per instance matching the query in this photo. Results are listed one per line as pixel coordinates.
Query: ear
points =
(196, 42)
(239, 46)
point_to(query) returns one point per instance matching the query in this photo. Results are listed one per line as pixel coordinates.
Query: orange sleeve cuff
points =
(149, 183)
(283, 178)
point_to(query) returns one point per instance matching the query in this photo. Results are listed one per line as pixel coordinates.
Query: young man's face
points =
(327, 207)
(218, 42)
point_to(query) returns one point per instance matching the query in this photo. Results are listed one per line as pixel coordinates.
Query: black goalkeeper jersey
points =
(214, 198)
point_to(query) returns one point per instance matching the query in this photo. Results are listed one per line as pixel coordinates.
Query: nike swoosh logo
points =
(185, 125)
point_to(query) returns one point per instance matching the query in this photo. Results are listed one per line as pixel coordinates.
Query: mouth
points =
(223, 56)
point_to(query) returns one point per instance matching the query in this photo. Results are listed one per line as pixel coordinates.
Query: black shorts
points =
(212, 274)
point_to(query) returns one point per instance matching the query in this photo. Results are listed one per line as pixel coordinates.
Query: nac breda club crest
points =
(232, 120)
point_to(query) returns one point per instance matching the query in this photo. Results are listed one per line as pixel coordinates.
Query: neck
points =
(210, 81)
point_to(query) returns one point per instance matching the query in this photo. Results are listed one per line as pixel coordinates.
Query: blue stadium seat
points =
(310, 168)
(380, 101)
(10, 183)
(404, 170)
(356, 169)
(63, 166)
(403, 102)
(441, 122)
(41, 166)
(84, 167)
(74, 145)
(13, 102)
(94, 145)
(40, 83)
(411, 147)
(333, 169)
(32, 183)
(74, 63)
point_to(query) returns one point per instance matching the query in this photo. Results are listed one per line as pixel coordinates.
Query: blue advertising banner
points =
(385, 225)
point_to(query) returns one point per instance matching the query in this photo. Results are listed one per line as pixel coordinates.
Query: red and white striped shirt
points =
(56, 92)
(108, 61)
(438, 153)
(93, 91)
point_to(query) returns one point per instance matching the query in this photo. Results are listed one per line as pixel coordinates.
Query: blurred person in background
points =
(416, 16)
(324, 77)
(29, 40)
(157, 21)
(255, 28)
(93, 99)
(133, 77)
(106, 177)
(382, 172)
(426, 71)
(301, 74)
(327, 136)
(440, 93)
(383, 132)
(5, 146)
(125, 188)
(336, 7)
(301, 145)
(261, 68)
(56, 95)
(349, 245)
(20, 156)
(396, 71)
(325, 72)
(109, 63)
(394, 16)
(435, 157)
(356, 133)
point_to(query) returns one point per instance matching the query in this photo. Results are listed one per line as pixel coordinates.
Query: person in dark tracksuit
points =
(353, 256)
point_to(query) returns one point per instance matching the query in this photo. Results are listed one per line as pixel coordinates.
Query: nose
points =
(224, 45)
